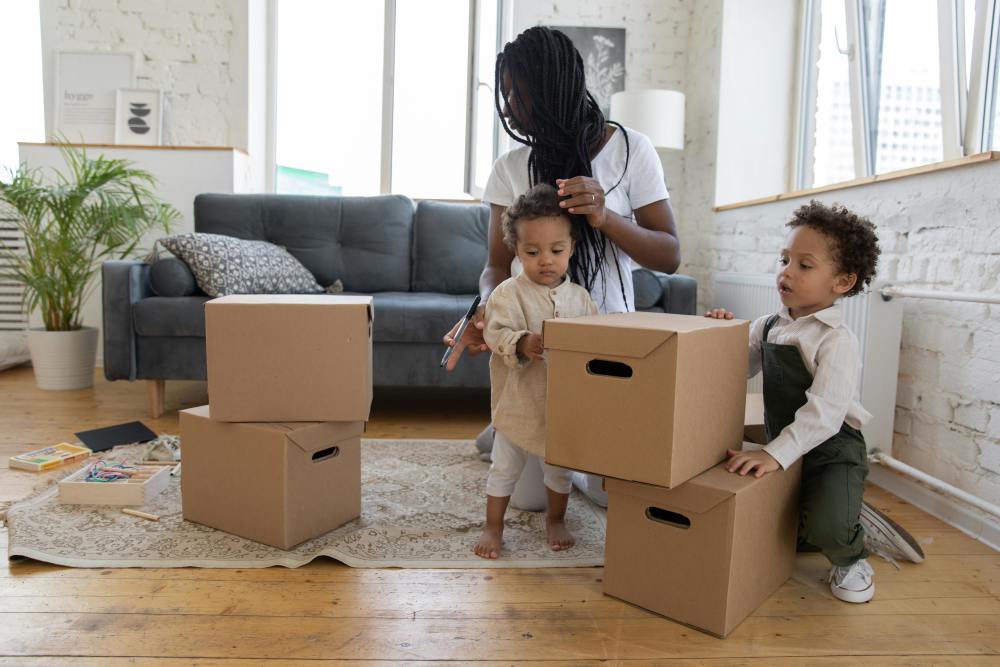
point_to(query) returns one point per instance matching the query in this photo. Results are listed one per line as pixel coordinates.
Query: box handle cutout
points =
(666, 516)
(614, 369)
(324, 454)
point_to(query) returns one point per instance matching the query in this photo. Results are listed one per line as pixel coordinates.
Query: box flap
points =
(604, 335)
(754, 412)
(290, 300)
(691, 496)
(313, 436)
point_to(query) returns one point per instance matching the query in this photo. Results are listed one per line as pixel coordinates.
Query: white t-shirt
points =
(643, 184)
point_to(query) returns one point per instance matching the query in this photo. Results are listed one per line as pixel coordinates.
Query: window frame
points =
(387, 101)
(967, 117)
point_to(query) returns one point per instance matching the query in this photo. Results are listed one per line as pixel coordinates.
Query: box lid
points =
(698, 495)
(290, 300)
(633, 335)
(308, 436)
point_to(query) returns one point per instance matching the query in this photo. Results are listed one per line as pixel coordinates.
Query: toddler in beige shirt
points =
(540, 233)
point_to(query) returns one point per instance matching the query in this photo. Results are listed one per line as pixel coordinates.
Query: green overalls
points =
(833, 474)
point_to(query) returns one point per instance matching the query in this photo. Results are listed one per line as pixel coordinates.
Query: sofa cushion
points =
(416, 317)
(170, 276)
(170, 316)
(449, 246)
(647, 289)
(363, 241)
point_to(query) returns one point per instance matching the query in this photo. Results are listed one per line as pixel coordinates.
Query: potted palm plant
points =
(98, 209)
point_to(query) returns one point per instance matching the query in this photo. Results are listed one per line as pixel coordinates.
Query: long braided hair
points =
(565, 125)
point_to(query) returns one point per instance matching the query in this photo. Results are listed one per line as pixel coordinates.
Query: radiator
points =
(875, 321)
(12, 316)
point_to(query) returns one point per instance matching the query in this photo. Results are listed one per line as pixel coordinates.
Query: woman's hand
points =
(472, 339)
(530, 347)
(747, 462)
(585, 196)
(719, 314)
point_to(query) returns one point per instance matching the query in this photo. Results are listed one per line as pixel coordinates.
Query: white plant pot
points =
(63, 359)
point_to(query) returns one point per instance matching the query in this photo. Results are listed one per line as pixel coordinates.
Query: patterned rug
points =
(423, 503)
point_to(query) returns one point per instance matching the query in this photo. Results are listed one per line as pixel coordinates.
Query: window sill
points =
(988, 156)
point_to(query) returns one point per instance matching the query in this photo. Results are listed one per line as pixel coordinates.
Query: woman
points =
(610, 177)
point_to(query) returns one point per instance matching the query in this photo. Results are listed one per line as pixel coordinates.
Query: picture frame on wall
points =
(603, 52)
(139, 117)
(85, 92)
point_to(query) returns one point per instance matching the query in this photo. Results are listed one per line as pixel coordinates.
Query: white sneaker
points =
(886, 538)
(854, 583)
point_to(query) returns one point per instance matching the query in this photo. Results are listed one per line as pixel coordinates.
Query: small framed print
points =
(139, 117)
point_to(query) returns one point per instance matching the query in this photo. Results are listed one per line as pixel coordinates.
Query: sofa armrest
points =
(124, 283)
(680, 294)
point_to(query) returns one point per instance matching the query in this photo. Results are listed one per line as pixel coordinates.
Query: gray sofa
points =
(421, 264)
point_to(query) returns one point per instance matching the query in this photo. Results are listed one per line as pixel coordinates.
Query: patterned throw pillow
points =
(226, 265)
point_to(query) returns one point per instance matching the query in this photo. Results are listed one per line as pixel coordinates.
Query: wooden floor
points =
(945, 611)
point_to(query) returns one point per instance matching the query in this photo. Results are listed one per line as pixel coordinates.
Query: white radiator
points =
(876, 322)
(12, 316)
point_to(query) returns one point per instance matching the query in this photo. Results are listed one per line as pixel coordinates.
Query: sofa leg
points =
(156, 390)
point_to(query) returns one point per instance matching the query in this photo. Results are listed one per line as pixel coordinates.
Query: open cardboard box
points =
(645, 397)
(289, 357)
(276, 483)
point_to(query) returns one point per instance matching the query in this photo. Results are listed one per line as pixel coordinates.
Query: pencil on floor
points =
(142, 515)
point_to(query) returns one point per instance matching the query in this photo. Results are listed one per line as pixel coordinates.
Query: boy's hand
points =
(530, 347)
(719, 314)
(759, 462)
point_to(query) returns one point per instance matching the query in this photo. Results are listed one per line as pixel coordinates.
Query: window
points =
(23, 116)
(918, 78)
(909, 86)
(833, 156)
(375, 97)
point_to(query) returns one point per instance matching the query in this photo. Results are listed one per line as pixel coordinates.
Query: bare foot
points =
(488, 545)
(559, 536)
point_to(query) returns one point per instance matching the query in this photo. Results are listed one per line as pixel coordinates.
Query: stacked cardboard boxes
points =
(652, 402)
(276, 455)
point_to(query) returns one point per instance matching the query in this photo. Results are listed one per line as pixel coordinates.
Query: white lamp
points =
(659, 114)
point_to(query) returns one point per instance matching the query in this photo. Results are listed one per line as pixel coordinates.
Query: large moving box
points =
(276, 483)
(289, 358)
(706, 553)
(645, 397)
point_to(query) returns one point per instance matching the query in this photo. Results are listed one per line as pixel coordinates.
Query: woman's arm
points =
(652, 242)
(497, 270)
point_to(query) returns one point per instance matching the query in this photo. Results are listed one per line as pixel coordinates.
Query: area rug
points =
(422, 507)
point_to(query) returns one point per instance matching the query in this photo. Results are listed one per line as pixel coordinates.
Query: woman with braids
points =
(609, 179)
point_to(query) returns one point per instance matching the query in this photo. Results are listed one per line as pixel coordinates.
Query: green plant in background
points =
(99, 209)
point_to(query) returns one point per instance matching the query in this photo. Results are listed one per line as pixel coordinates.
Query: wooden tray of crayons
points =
(114, 483)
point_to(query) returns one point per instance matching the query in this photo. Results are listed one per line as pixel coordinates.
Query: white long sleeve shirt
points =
(830, 352)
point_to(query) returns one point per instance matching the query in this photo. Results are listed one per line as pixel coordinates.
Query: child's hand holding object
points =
(746, 462)
(530, 347)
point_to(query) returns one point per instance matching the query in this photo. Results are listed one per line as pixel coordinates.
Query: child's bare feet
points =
(559, 536)
(489, 543)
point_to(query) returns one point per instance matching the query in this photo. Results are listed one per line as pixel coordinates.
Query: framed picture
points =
(86, 82)
(138, 117)
(603, 53)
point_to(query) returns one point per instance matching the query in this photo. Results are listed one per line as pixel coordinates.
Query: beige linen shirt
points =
(516, 308)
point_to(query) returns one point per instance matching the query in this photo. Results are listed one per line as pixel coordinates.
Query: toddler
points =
(811, 364)
(540, 233)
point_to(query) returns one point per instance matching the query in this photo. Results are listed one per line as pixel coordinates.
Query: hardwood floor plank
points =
(945, 611)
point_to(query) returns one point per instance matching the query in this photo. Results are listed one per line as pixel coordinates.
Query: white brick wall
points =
(938, 231)
(183, 48)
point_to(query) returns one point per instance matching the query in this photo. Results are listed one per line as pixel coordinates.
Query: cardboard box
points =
(289, 358)
(276, 483)
(707, 553)
(645, 397)
(753, 420)
(141, 489)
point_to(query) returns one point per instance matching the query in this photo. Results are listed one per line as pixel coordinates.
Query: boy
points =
(811, 362)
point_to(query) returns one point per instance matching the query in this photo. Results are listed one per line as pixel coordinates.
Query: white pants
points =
(509, 461)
